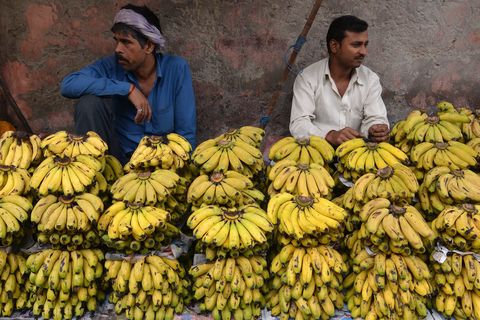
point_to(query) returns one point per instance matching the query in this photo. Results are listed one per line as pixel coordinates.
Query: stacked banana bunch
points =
(228, 188)
(306, 221)
(150, 287)
(64, 284)
(171, 152)
(70, 145)
(248, 134)
(470, 130)
(459, 227)
(232, 287)
(300, 179)
(452, 154)
(306, 283)
(12, 285)
(357, 157)
(68, 220)
(458, 281)
(391, 228)
(303, 150)
(20, 149)
(475, 145)
(14, 180)
(14, 213)
(388, 286)
(133, 227)
(113, 169)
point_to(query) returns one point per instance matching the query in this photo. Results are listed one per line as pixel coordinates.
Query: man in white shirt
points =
(337, 98)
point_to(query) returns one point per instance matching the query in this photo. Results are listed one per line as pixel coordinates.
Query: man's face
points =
(352, 50)
(130, 54)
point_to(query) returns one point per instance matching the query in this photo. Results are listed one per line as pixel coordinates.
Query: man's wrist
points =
(132, 87)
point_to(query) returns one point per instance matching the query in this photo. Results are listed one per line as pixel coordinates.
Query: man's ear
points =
(334, 45)
(150, 47)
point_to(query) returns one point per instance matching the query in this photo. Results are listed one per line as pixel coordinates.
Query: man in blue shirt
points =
(135, 92)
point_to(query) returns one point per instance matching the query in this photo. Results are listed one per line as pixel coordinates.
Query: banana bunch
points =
(99, 187)
(300, 179)
(12, 285)
(300, 217)
(147, 287)
(14, 212)
(64, 175)
(398, 136)
(224, 155)
(357, 157)
(213, 253)
(248, 134)
(61, 284)
(458, 281)
(232, 287)
(475, 145)
(70, 145)
(19, 149)
(394, 229)
(113, 169)
(303, 150)
(169, 152)
(14, 181)
(232, 229)
(388, 286)
(471, 130)
(229, 188)
(453, 154)
(306, 283)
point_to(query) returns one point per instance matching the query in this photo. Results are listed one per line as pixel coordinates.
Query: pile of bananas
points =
(19, 149)
(150, 287)
(248, 134)
(388, 228)
(232, 287)
(458, 281)
(459, 226)
(224, 155)
(306, 283)
(303, 150)
(67, 220)
(12, 285)
(65, 175)
(61, 284)
(357, 157)
(388, 286)
(301, 219)
(70, 145)
(452, 154)
(133, 226)
(14, 181)
(228, 188)
(113, 169)
(14, 213)
(169, 152)
(232, 229)
(300, 179)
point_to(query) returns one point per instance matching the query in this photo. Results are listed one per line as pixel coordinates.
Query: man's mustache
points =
(120, 57)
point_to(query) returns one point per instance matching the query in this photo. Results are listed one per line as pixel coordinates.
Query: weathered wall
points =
(423, 51)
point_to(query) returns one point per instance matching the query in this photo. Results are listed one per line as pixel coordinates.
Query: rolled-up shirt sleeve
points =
(374, 111)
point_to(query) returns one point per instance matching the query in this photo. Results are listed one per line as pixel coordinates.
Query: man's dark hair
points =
(126, 29)
(337, 28)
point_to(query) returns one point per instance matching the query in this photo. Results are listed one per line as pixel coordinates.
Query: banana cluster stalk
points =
(452, 154)
(171, 152)
(302, 218)
(113, 169)
(65, 175)
(12, 283)
(300, 179)
(14, 181)
(388, 286)
(248, 134)
(356, 157)
(14, 212)
(150, 287)
(70, 145)
(233, 229)
(306, 283)
(303, 150)
(391, 228)
(224, 155)
(458, 281)
(232, 287)
(228, 188)
(64, 284)
(20, 149)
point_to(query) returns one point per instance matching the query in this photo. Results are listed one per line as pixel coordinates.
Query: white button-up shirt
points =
(318, 108)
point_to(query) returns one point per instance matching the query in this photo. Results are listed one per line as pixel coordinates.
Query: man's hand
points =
(336, 138)
(144, 112)
(378, 133)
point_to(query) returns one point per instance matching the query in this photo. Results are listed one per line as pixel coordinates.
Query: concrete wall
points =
(423, 51)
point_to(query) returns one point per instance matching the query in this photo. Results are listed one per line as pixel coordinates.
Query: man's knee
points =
(92, 106)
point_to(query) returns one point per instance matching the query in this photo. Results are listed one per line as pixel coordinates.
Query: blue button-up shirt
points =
(171, 98)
